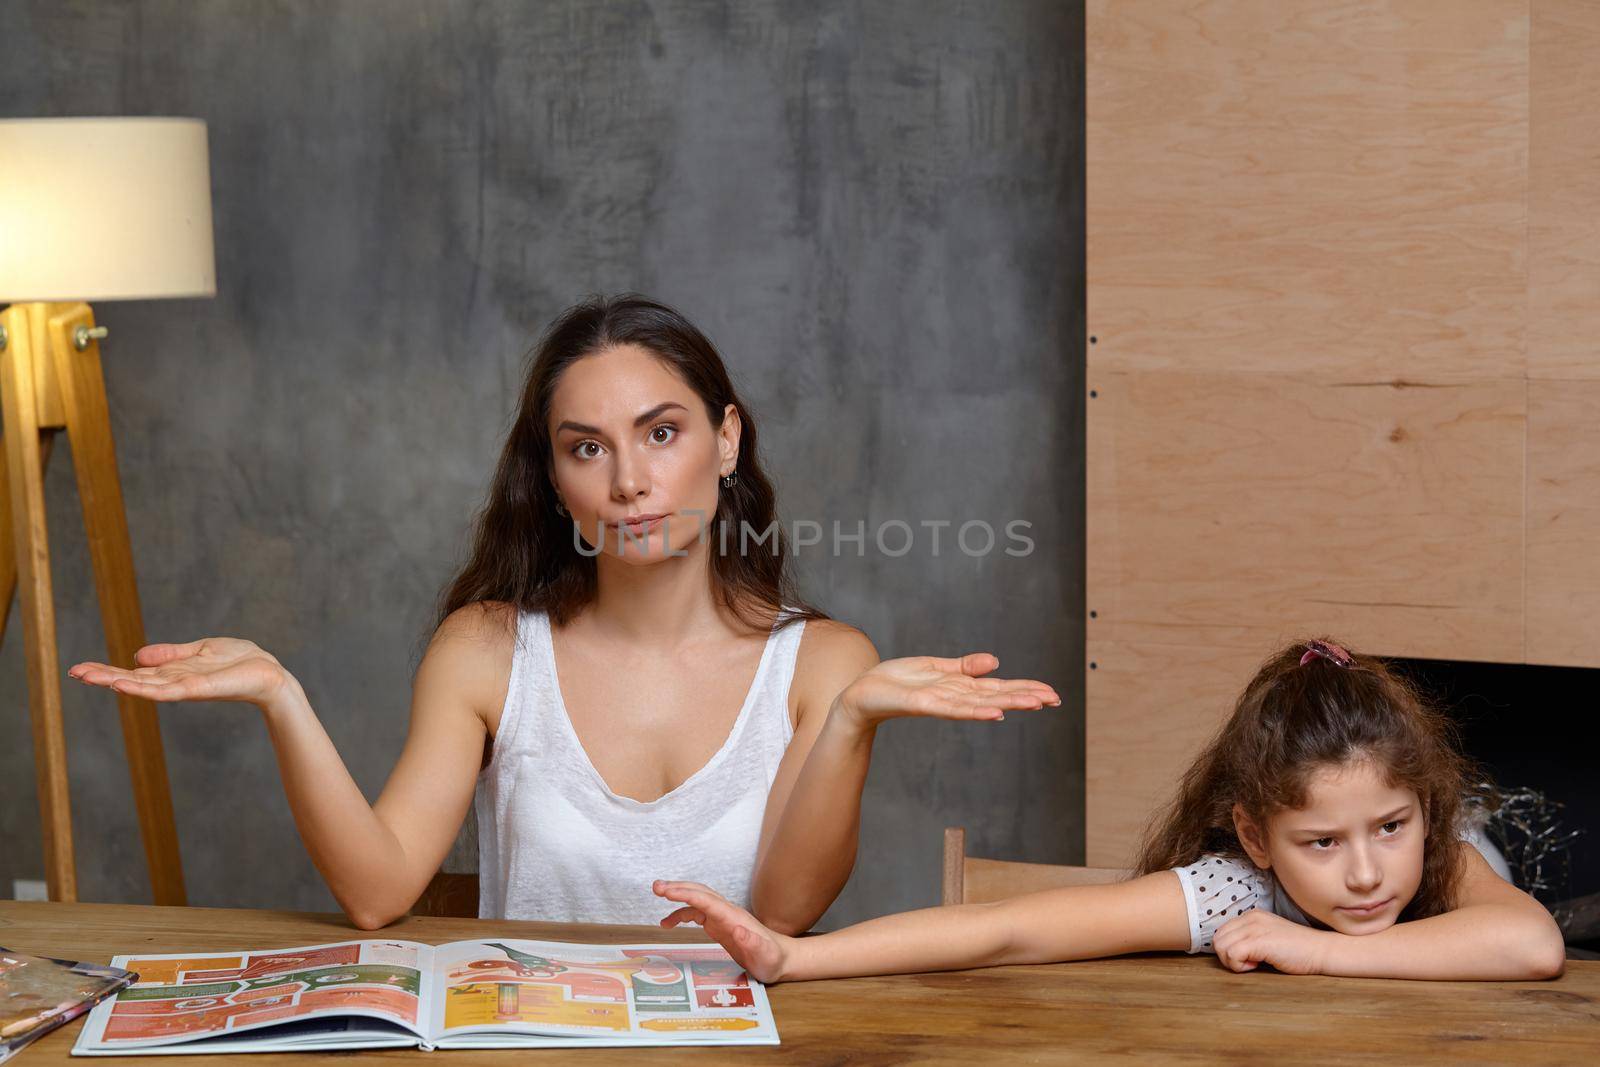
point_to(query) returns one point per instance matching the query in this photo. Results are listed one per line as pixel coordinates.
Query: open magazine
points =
(464, 994)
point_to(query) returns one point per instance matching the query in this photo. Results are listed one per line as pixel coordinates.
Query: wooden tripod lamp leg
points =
(82, 388)
(30, 544)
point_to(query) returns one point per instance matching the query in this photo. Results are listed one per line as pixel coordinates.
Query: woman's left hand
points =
(941, 688)
(1256, 937)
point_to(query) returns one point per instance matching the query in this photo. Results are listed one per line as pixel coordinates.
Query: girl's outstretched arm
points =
(1496, 932)
(1080, 922)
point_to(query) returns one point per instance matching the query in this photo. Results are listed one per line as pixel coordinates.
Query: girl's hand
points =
(215, 668)
(763, 954)
(1258, 937)
(944, 688)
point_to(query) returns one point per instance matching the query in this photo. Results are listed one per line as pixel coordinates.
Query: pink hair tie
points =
(1328, 651)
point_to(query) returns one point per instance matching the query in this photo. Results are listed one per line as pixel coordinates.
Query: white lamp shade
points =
(105, 209)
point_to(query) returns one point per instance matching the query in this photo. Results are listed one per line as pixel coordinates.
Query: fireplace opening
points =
(1530, 729)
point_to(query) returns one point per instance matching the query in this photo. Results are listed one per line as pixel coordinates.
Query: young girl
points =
(1317, 833)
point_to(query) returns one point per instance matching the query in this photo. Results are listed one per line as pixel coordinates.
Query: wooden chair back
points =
(978, 881)
(449, 895)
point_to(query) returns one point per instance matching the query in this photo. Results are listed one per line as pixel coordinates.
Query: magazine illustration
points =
(464, 994)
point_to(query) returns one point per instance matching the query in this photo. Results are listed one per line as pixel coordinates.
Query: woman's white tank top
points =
(555, 843)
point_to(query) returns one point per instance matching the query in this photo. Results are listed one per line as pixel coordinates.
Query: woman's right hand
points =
(763, 953)
(213, 668)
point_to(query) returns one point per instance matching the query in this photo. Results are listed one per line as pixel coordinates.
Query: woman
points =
(620, 674)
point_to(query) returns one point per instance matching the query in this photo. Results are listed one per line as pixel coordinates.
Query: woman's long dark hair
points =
(522, 548)
(1293, 719)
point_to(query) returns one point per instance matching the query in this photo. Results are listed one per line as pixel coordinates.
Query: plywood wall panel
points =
(1151, 709)
(1563, 584)
(1564, 191)
(1299, 184)
(1236, 510)
(1344, 301)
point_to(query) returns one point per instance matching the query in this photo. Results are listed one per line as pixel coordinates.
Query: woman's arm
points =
(1080, 922)
(378, 858)
(813, 817)
(1496, 932)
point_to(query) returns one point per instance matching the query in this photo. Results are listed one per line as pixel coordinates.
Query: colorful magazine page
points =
(512, 993)
(40, 993)
(348, 994)
(465, 994)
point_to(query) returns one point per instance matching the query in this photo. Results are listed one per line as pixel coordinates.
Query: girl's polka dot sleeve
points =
(1215, 889)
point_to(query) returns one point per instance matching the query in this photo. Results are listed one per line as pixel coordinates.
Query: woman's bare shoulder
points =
(831, 655)
(490, 622)
(473, 648)
(827, 640)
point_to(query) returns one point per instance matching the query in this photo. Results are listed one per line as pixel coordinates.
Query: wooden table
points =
(1156, 1008)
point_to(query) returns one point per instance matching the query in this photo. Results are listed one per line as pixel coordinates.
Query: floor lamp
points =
(90, 209)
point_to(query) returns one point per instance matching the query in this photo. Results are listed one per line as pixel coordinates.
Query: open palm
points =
(214, 668)
(944, 688)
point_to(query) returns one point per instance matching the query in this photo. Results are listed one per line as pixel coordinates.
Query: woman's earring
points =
(561, 508)
(729, 479)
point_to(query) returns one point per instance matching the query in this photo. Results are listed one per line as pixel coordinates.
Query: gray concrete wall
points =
(874, 209)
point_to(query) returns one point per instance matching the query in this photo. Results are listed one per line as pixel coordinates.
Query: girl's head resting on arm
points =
(1337, 776)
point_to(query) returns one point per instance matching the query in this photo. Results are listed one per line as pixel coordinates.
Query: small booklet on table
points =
(465, 994)
(40, 993)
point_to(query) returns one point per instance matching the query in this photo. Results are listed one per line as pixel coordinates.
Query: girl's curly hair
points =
(1294, 718)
